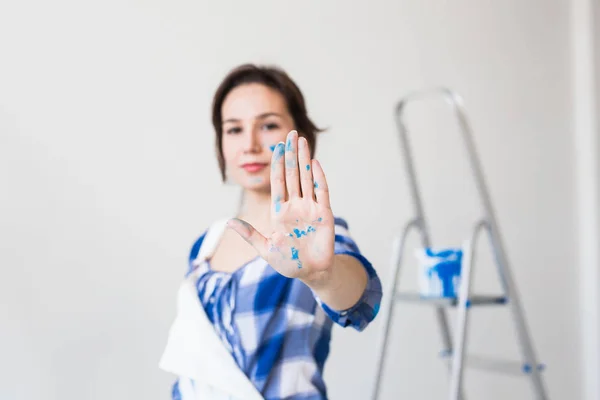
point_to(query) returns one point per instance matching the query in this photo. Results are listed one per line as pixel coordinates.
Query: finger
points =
(321, 188)
(277, 176)
(250, 235)
(270, 146)
(292, 182)
(306, 176)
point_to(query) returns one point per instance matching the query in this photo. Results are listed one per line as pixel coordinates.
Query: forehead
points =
(249, 100)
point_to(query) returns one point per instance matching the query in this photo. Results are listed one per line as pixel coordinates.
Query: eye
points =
(233, 130)
(270, 126)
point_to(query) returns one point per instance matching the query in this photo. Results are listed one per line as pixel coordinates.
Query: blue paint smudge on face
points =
(307, 167)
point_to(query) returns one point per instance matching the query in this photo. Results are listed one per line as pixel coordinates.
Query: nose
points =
(252, 141)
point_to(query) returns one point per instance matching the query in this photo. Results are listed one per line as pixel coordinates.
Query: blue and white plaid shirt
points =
(276, 328)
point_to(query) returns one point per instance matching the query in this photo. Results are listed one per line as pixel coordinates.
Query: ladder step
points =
(450, 301)
(508, 367)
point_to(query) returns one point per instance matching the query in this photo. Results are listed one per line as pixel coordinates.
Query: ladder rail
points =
(498, 247)
(421, 223)
(387, 308)
(463, 311)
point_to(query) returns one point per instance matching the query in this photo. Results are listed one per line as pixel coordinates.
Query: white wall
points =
(108, 175)
(587, 155)
(596, 36)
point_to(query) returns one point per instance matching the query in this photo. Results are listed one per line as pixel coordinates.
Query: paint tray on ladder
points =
(439, 272)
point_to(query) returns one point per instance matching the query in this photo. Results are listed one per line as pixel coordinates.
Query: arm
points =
(352, 295)
(342, 285)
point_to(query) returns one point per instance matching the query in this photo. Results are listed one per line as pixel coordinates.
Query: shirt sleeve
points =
(175, 393)
(194, 253)
(367, 307)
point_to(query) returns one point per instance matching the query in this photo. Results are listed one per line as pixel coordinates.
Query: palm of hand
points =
(302, 242)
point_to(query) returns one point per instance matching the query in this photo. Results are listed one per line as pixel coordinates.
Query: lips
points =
(254, 167)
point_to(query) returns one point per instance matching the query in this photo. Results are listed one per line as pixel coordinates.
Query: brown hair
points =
(274, 78)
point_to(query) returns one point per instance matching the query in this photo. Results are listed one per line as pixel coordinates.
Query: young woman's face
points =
(255, 119)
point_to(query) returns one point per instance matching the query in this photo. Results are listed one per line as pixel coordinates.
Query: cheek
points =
(231, 151)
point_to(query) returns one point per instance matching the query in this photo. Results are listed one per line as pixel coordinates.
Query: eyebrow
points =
(260, 116)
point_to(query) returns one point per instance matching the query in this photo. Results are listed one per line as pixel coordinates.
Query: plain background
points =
(108, 175)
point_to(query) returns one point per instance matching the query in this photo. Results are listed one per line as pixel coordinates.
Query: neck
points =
(256, 209)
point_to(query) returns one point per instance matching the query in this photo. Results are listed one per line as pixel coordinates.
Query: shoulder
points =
(196, 245)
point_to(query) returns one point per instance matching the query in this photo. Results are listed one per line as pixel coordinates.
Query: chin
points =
(257, 183)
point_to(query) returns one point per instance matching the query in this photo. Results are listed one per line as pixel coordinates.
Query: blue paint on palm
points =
(320, 219)
(299, 233)
(272, 147)
(295, 256)
(307, 167)
(316, 185)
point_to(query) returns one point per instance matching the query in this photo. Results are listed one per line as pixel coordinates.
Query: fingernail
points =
(279, 150)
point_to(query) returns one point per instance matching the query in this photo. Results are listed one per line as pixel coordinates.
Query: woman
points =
(269, 283)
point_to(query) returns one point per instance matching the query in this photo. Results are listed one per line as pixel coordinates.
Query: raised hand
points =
(302, 242)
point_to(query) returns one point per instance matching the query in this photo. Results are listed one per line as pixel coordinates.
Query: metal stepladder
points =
(455, 349)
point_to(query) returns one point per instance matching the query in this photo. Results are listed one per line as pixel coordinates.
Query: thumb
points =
(250, 235)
